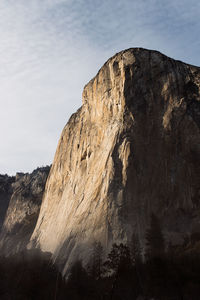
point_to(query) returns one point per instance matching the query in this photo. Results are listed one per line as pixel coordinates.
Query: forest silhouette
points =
(161, 271)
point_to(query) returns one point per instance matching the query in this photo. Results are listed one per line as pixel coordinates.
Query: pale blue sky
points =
(49, 49)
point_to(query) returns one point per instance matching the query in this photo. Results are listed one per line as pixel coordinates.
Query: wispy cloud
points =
(50, 49)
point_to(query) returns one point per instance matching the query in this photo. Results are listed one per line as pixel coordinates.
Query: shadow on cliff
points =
(165, 274)
(30, 275)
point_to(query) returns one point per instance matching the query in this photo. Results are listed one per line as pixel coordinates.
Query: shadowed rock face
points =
(22, 211)
(5, 194)
(133, 148)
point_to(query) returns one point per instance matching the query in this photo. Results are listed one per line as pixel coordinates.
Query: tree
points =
(119, 258)
(78, 284)
(135, 250)
(155, 243)
(95, 267)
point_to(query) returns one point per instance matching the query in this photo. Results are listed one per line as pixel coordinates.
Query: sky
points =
(49, 49)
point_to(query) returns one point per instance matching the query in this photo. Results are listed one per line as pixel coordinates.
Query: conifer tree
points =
(135, 249)
(155, 244)
(118, 258)
(95, 267)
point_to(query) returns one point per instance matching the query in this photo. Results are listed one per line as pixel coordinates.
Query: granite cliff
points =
(21, 198)
(5, 195)
(133, 148)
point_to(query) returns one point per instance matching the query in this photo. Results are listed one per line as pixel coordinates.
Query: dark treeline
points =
(30, 275)
(159, 272)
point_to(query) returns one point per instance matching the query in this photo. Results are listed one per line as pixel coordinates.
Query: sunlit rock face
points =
(25, 194)
(133, 148)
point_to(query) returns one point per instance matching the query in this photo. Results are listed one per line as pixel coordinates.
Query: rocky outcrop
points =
(133, 148)
(5, 195)
(25, 192)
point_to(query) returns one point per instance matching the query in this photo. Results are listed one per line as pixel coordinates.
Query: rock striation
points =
(133, 148)
(23, 197)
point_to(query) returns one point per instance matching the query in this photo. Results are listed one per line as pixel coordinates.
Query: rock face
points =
(5, 195)
(25, 194)
(133, 148)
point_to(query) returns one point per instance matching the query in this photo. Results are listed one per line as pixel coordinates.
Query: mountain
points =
(5, 195)
(21, 198)
(131, 150)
